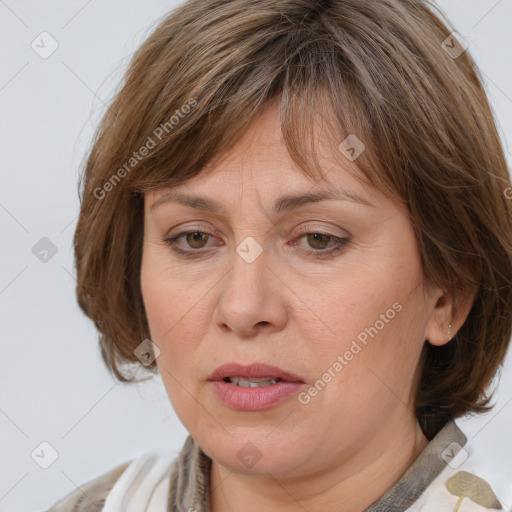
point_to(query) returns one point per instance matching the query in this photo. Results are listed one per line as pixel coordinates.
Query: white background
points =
(54, 386)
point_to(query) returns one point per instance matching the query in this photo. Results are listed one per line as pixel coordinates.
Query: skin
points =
(356, 437)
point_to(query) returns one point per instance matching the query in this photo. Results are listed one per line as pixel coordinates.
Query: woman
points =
(296, 213)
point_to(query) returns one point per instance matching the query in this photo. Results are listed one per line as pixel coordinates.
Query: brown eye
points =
(318, 240)
(191, 243)
(323, 244)
(195, 239)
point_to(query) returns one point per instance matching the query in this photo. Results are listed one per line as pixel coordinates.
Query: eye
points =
(195, 239)
(318, 240)
(322, 244)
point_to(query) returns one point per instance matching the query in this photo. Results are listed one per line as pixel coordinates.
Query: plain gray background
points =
(54, 387)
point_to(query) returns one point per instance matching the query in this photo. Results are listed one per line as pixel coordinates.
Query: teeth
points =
(252, 382)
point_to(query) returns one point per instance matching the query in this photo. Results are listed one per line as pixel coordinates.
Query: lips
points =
(255, 371)
(274, 386)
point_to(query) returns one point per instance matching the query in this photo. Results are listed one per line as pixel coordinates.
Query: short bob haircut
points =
(388, 71)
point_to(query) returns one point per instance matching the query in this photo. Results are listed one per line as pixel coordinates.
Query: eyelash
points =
(340, 242)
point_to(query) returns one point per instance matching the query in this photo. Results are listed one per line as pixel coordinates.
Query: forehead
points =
(260, 161)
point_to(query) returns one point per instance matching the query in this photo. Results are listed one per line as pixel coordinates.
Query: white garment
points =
(143, 487)
(492, 474)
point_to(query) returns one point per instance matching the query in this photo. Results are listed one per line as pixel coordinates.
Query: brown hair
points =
(384, 71)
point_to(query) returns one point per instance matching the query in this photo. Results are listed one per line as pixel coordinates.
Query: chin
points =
(253, 451)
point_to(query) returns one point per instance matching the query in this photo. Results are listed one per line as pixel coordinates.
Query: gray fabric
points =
(421, 473)
(189, 489)
(190, 477)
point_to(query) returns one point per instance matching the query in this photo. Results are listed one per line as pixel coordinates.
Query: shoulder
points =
(468, 474)
(147, 482)
(91, 496)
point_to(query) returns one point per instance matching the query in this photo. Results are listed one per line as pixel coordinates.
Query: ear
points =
(438, 331)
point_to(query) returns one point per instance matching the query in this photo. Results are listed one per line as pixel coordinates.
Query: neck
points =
(351, 484)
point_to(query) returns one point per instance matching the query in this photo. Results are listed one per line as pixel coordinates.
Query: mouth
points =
(251, 383)
(254, 387)
(253, 375)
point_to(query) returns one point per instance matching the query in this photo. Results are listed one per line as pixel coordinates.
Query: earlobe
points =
(439, 328)
(448, 332)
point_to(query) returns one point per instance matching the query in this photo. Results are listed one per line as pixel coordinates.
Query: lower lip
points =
(255, 399)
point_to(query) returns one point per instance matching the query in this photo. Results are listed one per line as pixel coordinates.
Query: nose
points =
(252, 298)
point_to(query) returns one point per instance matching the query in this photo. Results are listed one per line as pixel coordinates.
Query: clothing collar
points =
(422, 471)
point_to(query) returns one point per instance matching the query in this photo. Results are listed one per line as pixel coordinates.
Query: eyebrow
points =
(282, 205)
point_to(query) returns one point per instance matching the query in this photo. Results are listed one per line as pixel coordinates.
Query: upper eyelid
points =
(302, 232)
(309, 228)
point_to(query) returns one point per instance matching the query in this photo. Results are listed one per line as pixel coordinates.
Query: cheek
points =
(165, 299)
(177, 311)
(375, 337)
(174, 318)
(375, 366)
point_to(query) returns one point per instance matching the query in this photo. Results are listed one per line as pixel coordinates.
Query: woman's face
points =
(330, 291)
